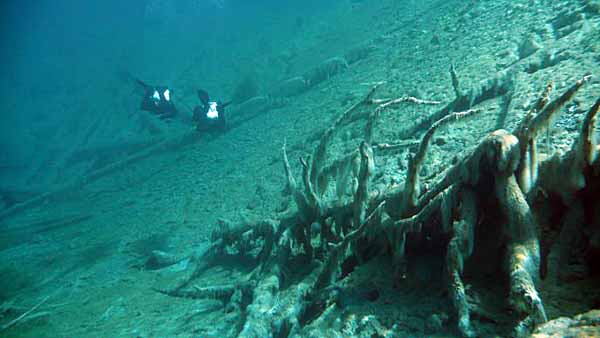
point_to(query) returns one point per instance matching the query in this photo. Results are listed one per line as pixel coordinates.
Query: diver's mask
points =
(161, 94)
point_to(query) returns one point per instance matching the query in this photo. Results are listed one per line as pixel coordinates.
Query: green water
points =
(95, 190)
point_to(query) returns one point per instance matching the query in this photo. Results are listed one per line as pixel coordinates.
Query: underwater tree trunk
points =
(504, 165)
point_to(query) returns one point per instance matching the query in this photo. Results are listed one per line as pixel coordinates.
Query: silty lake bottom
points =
(381, 168)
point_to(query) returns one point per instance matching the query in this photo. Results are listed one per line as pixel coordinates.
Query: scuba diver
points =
(210, 115)
(157, 100)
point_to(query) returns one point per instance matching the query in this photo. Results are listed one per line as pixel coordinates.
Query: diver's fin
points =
(203, 96)
(141, 83)
(225, 104)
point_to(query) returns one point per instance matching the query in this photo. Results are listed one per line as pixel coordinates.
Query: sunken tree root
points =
(503, 171)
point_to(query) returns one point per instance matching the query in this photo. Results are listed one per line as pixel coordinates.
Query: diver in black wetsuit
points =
(210, 115)
(157, 100)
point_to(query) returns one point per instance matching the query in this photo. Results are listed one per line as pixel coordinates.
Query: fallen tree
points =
(495, 187)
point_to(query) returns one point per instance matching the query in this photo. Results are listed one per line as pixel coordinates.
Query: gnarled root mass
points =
(495, 187)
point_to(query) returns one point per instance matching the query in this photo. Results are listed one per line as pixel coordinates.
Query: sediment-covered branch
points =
(488, 89)
(539, 118)
(460, 248)
(411, 189)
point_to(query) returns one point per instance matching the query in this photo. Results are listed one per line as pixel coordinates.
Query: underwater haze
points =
(67, 68)
(316, 168)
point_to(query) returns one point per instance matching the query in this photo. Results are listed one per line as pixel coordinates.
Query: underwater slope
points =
(326, 257)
